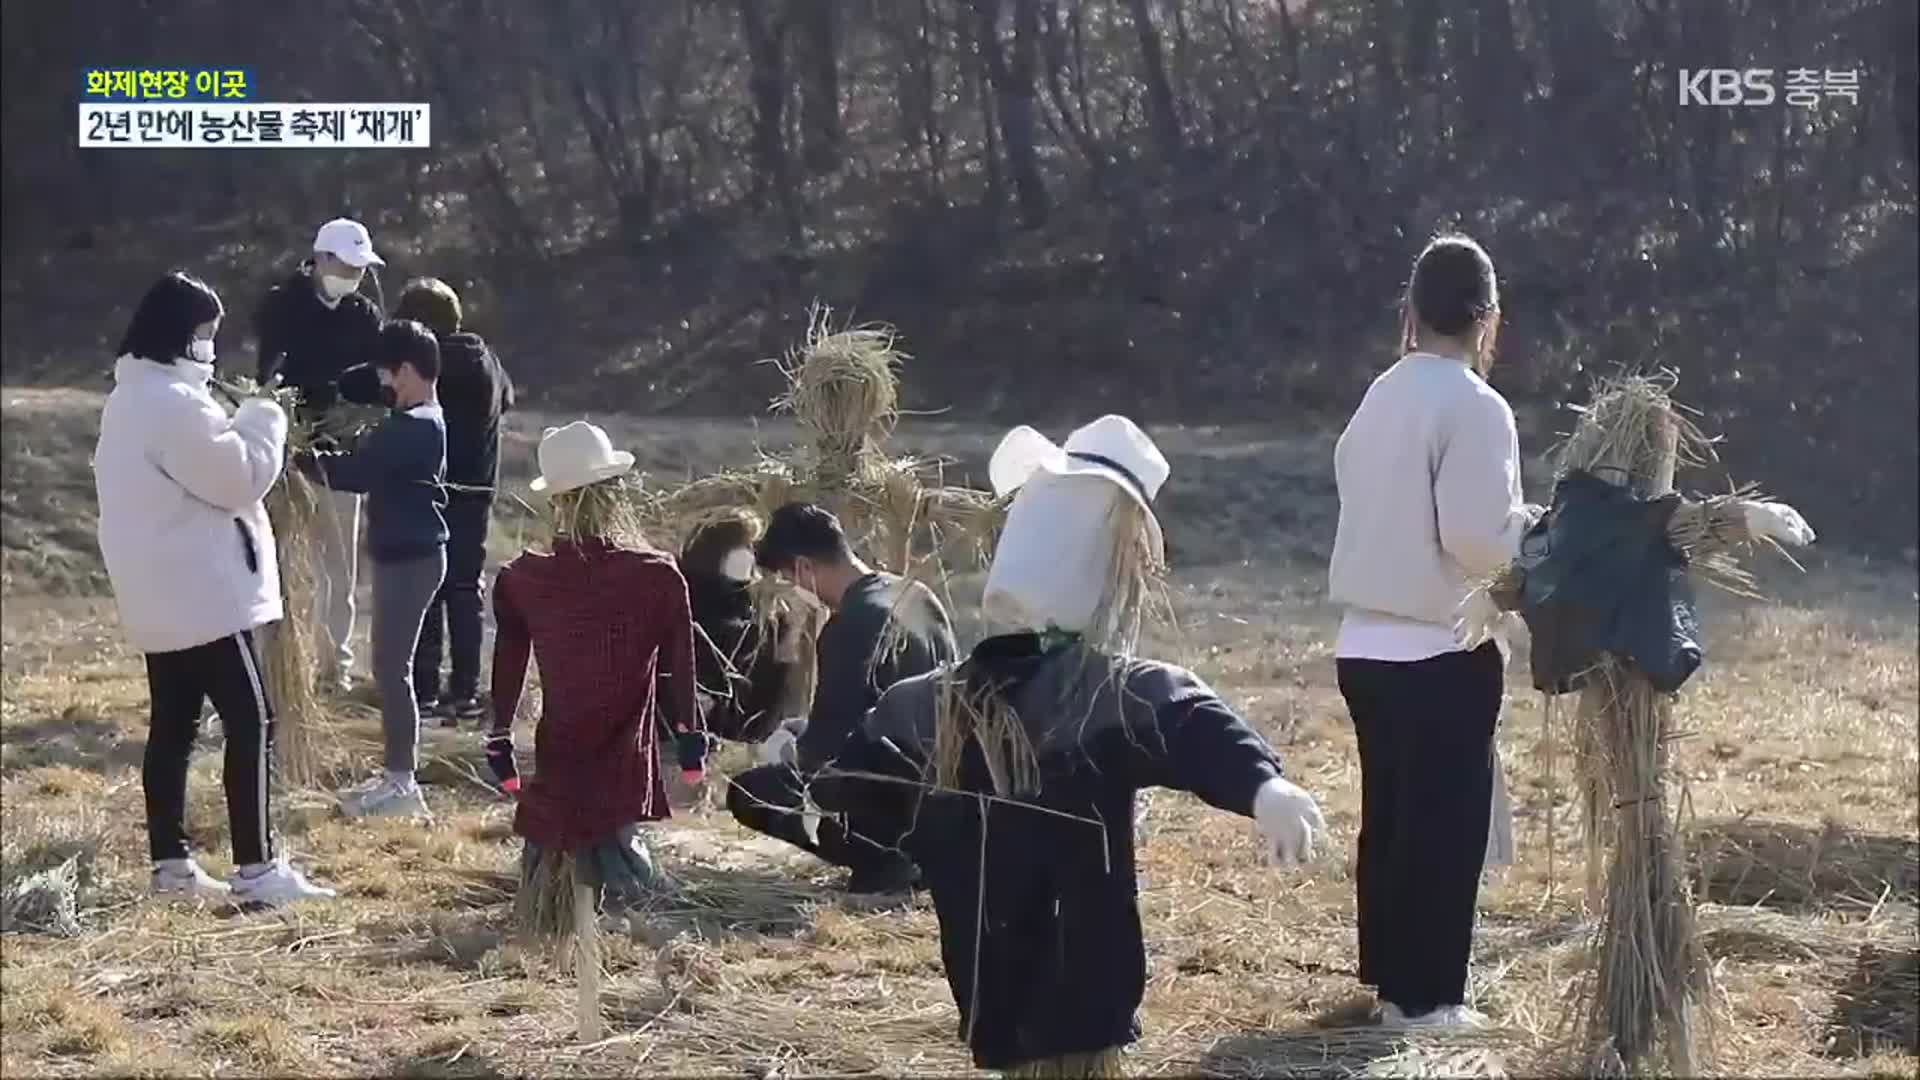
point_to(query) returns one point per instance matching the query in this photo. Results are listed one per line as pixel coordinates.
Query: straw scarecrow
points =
(1603, 582)
(843, 389)
(1020, 764)
(609, 617)
(303, 731)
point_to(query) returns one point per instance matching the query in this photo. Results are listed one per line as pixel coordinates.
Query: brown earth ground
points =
(1801, 767)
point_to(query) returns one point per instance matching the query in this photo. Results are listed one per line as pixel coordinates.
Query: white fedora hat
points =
(577, 455)
(1112, 447)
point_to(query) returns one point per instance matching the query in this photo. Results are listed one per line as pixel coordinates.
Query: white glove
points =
(1778, 522)
(1288, 820)
(779, 748)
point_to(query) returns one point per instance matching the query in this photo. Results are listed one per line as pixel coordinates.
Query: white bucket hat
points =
(347, 240)
(577, 455)
(1112, 447)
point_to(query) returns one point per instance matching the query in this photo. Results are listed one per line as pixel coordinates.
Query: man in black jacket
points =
(884, 628)
(474, 392)
(312, 327)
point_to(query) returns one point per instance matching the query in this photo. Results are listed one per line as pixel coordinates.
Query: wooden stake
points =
(586, 961)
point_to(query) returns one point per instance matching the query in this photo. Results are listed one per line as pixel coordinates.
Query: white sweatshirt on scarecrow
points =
(182, 528)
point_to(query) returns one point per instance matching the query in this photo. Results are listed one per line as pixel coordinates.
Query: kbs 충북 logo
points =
(1735, 87)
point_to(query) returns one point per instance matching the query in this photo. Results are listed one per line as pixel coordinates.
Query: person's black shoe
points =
(885, 879)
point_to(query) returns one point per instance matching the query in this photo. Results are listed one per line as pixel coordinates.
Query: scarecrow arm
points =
(1198, 745)
(676, 655)
(512, 645)
(1703, 529)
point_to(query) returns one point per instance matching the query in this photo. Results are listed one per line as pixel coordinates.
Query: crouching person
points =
(605, 615)
(1023, 759)
(883, 628)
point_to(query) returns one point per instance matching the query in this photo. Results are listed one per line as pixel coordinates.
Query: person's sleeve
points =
(271, 337)
(1199, 745)
(677, 655)
(360, 384)
(843, 691)
(507, 398)
(228, 463)
(356, 470)
(872, 774)
(1481, 520)
(512, 645)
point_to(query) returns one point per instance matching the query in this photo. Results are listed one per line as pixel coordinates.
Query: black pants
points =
(228, 672)
(1426, 793)
(770, 799)
(455, 615)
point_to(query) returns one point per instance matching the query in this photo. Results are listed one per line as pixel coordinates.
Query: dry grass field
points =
(1801, 769)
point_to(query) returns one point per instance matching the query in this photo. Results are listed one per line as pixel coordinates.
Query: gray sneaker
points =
(385, 798)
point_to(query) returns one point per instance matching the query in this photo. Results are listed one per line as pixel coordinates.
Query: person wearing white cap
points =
(318, 334)
(1019, 765)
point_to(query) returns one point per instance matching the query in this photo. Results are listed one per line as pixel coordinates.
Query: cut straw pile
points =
(293, 647)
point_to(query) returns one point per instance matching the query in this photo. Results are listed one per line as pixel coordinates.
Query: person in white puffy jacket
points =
(195, 576)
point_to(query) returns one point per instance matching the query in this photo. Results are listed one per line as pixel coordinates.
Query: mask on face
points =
(337, 287)
(738, 565)
(201, 350)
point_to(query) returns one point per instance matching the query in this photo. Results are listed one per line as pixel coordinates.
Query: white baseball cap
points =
(347, 240)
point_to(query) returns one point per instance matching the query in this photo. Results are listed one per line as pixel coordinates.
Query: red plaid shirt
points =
(604, 622)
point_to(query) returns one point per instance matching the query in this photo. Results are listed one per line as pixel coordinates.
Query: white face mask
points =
(738, 565)
(201, 350)
(337, 287)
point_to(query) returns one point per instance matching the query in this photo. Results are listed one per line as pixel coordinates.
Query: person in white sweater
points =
(1428, 472)
(195, 575)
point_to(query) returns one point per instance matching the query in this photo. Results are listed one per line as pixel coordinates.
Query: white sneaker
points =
(280, 884)
(184, 878)
(1444, 1018)
(386, 798)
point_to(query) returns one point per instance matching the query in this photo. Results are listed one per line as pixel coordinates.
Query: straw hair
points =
(983, 719)
(607, 511)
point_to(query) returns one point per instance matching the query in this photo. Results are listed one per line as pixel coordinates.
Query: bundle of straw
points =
(844, 386)
(291, 656)
(292, 648)
(843, 389)
(1650, 979)
(543, 905)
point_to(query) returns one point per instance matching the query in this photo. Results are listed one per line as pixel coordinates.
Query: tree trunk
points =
(767, 87)
(1012, 76)
(1901, 16)
(1160, 108)
(818, 41)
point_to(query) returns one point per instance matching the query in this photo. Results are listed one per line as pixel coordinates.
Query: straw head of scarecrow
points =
(1081, 539)
(587, 482)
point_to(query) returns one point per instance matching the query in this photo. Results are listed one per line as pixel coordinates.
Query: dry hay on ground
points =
(761, 967)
